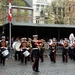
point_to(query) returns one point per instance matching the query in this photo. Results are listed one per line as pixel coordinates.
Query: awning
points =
(43, 25)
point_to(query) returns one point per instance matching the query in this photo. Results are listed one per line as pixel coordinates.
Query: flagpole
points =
(10, 21)
(10, 37)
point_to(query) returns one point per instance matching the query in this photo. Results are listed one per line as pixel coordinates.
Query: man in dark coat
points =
(35, 54)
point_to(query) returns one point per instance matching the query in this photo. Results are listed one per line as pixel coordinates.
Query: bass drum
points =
(13, 45)
(17, 46)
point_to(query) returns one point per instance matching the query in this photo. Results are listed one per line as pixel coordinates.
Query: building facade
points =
(37, 6)
(21, 14)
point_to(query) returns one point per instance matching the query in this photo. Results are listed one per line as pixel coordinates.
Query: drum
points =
(5, 53)
(17, 46)
(13, 45)
(26, 53)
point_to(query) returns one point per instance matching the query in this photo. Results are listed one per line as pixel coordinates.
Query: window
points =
(14, 12)
(14, 20)
(22, 20)
(37, 7)
(42, 6)
(22, 12)
(30, 13)
(29, 20)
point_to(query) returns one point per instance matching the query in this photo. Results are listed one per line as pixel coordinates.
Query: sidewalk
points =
(46, 68)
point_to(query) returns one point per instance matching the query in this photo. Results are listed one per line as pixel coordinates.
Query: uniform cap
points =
(54, 39)
(3, 37)
(24, 38)
(35, 36)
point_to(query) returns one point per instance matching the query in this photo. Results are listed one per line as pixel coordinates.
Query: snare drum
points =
(26, 53)
(5, 53)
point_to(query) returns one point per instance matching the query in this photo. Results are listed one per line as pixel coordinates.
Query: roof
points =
(43, 25)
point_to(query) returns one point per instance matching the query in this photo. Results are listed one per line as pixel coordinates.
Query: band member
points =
(53, 51)
(71, 46)
(2, 49)
(41, 49)
(72, 50)
(35, 55)
(23, 48)
(65, 51)
(17, 52)
(29, 45)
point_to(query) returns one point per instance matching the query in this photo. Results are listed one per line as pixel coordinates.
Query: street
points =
(13, 67)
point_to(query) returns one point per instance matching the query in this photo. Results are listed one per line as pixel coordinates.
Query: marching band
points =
(27, 49)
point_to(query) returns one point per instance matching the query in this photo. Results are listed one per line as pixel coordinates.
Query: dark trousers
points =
(74, 54)
(23, 58)
(42, 55)
(71, 52)
(53, 56)
(2, 59)
(35, 64)
(17, 55)
(65, 55)
(29, 57)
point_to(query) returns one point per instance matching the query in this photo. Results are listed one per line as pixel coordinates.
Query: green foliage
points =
(14, 2)
(4, 7)
(18, 2)
(56, 12)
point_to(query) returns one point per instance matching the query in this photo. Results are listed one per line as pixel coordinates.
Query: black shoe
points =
(25, 63)
(33, 69)
(3, 64)
(21, 62)
(36, 71)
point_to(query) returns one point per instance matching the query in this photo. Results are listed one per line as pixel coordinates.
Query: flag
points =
(10, 12)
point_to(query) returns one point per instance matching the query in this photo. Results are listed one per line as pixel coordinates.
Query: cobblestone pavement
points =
(46, 68)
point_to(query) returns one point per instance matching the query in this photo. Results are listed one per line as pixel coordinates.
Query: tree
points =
(18, 2)
(4, 8)
(57, 12)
